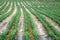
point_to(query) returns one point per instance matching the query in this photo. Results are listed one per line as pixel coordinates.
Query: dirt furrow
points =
(21, 26)
(30, 32)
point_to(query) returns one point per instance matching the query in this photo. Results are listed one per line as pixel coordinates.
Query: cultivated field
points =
(29, 20)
